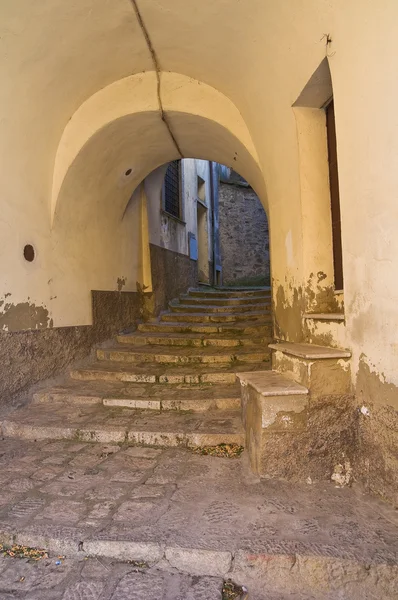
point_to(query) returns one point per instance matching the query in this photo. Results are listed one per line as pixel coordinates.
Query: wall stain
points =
(288, 315)
(320, 298)
(321, 339)
(378, 433)
(121, 282)
(24, 315)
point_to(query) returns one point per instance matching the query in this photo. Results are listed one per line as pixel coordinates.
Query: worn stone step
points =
(226, 302)
(226, 317)
(164, 374)
(274, 410)
(152, 396)
(195, 340)
(230, 293)
(323, 370)
(239, 329)
(211, 308)
(182, 355)
(97, 423)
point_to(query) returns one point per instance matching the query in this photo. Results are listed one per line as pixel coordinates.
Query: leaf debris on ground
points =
(17, 551)
(221, 451)
(138, 563)
(231, 591)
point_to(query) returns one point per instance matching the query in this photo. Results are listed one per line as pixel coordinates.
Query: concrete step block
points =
(273, 409)
(323, 370)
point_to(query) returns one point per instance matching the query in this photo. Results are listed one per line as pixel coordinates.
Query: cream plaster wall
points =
(230, 100)
(164, 230)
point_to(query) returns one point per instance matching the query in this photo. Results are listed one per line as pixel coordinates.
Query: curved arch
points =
(120, 128)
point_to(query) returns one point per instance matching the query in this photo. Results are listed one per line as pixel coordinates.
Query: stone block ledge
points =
(309, 351)
(271, 383)
(325, 316)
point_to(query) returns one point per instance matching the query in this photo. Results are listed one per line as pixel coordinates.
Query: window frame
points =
(178, 217)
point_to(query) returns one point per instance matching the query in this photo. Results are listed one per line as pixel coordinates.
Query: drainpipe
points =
(217, 269)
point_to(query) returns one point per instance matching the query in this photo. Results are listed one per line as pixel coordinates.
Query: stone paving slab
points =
(95, 579)
(199, 515)
(309, 351)
(179, 499)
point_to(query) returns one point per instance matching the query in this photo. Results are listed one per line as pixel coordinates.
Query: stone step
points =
(97, 423)
(230, 293)
(219, 318)
(226, 302)
(211, 308)
(152, 396)
(239, 329)
(273, 406)
(164, 374)
(195, 340)
(323, 370)
(182, 355)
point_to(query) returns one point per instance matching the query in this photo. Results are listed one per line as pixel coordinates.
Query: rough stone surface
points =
(100, 579)
(95, 422)
(27, 357)
(182, 273)
(322, 376)
(242, 218)
(175, 499)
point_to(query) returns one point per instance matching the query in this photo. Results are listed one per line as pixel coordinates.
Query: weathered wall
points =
(27, 357)
(172, 275)
(172, 270)
(93, 111)
(244, 236)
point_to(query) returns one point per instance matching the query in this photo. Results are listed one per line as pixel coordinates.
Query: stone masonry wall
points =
(172, 275)
(31, 356)
(244, 236)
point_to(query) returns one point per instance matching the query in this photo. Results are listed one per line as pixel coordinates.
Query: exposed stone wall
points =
(172, 275)
(244, 236)
(377, 465)
(27, 357)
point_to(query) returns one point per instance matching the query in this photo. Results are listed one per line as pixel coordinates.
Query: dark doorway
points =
(334, 196)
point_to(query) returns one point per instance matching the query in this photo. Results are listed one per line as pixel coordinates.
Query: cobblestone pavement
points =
(82, 498)
(100, 579)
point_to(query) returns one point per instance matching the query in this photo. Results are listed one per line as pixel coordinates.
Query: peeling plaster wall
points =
(27, 357)
(173, 272)
(90, 106)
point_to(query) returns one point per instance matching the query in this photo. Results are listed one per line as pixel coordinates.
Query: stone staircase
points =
(172, 382)
(139, 494)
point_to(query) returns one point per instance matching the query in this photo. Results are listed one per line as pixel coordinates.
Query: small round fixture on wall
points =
(128, 172)
(29, 253)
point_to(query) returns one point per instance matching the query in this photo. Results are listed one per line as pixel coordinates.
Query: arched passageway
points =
(103, 156)
(97, 94)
